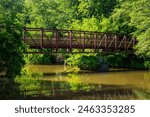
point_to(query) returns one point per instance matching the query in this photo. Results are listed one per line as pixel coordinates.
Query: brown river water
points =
(115, 84)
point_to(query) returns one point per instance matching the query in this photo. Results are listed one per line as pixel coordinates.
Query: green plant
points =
(40, 59)
(88, 62)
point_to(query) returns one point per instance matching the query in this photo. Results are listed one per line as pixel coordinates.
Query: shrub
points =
(88, 62)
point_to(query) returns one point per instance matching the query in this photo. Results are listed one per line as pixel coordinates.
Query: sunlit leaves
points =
(131, 17)
(140, 18)
(96, 8)
(51, 13)
(10, 12)
(88, 24)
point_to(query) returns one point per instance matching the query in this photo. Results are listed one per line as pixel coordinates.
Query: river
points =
(115, 84)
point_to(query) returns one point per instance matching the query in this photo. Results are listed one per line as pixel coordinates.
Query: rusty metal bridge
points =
(68, 40)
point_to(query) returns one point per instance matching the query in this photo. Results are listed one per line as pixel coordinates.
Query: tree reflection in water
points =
(72, 85)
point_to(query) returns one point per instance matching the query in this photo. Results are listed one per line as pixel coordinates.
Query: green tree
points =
(10, 36)
(50, 13)
(140, 18)
(96, 8)
(87, 24)
(131, 17)
(11, 12)
(11, 56)
(88, 62)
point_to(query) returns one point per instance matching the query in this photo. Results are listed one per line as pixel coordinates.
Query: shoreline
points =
(89, 72)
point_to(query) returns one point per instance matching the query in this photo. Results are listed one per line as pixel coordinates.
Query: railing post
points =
(95, 40)
(42, 34)
(83, 41)
(56, 40)
(24, 34)
(24, 37)
(70, 40)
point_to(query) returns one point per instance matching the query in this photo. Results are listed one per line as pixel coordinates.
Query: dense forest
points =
(128, 17)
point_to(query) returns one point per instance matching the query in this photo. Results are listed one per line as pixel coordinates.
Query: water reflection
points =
(63, 90)
(110, 85)
(140, 79)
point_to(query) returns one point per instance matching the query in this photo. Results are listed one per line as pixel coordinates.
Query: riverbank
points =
(47, 70)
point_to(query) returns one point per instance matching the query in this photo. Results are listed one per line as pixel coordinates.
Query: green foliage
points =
(117, 60)
(73, 60)
(75, 83)
(118, 22)
(40, 59)
(11, 61)
(118, 16)
(28, 80)
(9, 89)
(136, 62)
(139, 18)
(11, 55)
(91, 62)
(60, 13)
(50, 13)
(88, 62)
(126, 60)
(87, 24)
(28, 83)
(96, 8)
(102, 61)
(11, 12)
(147, 64)
(131, 17)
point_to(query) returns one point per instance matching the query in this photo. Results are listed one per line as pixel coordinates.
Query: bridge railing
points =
(70, 39)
